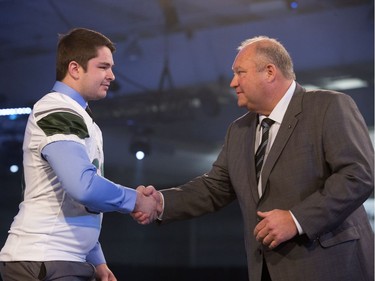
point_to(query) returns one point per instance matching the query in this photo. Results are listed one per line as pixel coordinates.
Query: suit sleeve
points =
(349, 156)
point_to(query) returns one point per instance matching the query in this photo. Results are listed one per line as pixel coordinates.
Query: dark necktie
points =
(88, 110)
(261, 151)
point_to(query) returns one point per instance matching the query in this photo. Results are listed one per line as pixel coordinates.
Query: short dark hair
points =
(79, 45)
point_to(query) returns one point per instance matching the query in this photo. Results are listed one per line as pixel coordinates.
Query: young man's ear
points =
(74, 70)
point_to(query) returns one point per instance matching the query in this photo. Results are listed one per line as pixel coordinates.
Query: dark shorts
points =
(46, 271)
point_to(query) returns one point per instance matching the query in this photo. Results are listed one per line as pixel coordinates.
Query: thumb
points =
(262, 214)
(140, 188)
(148, 191)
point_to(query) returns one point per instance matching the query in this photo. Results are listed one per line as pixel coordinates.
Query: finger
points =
(158, 197)
(262, 215)
(140, 187)
(139, 217)
(268, 239)
(262, 234)
(273, 244)
(144, 217)
(144, 222)
(148, 191)
(136, 215)
(262, 224)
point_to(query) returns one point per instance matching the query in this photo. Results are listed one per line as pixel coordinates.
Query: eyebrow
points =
(106, 64)
(237, 68)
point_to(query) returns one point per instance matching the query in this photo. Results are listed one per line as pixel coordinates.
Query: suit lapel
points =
(250, 157)
(247, 132)
(288, 124)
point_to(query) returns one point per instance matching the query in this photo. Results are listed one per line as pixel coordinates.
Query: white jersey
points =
(50, 225)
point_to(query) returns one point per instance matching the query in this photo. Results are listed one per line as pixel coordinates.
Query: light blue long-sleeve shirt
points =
(79, 178)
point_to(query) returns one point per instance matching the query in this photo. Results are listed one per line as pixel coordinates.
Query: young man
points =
(55, 233)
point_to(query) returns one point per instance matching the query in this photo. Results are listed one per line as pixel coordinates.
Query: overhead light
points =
(345, 83)
(292, 4)
(15, 111)
(140, 148)
(11, 156)
(140, 155)
(310, 87)
(14, 168)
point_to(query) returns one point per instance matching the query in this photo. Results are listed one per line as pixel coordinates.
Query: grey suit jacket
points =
(321, 167)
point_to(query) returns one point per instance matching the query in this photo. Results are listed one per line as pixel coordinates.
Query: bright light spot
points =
(349, 83)
(294, 4)
(310, 87)
(140, 155)
(15, 111)
(14, 169)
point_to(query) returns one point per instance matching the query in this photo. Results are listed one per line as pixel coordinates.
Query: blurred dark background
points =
(172, 99)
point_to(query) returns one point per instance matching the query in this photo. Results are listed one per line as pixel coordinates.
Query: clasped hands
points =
(149, 205)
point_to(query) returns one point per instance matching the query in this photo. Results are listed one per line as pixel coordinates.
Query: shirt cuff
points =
(160, 217)
(299, 228)
(96, 255)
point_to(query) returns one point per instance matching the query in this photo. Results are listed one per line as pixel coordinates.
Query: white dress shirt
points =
(276, 115)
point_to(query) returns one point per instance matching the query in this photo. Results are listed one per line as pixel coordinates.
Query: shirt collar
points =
(278, 112)
(70, 92)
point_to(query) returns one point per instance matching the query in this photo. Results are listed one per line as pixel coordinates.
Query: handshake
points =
(148, 206)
